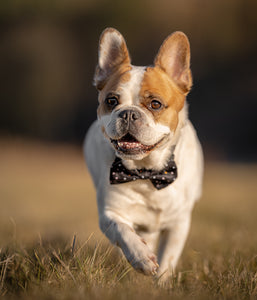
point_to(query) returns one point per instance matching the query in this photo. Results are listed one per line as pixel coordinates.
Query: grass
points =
(47, 199)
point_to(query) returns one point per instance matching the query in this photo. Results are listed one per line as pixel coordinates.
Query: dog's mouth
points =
(130, 145)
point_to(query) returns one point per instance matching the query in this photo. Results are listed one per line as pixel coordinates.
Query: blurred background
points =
(48, 53)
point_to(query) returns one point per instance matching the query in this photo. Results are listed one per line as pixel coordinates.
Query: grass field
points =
(51, 247)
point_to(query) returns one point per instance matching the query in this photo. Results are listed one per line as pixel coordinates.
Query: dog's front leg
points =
(134, 248)
(172, 241)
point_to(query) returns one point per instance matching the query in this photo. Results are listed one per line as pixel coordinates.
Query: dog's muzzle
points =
(130, 123)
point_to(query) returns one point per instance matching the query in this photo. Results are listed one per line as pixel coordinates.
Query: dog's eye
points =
(155, 104)
(112, 101)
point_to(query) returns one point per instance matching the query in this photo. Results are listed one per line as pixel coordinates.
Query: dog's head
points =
(139, 106)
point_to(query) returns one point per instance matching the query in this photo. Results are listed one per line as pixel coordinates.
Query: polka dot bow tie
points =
(160, 179)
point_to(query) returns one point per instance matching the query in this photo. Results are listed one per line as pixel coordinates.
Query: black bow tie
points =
(160, 179)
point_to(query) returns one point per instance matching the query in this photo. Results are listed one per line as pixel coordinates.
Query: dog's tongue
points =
(129, 145)
(128, 142)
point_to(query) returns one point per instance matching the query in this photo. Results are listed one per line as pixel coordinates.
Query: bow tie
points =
(160, 179)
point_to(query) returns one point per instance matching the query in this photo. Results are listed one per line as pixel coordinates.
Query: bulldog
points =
(143, 152)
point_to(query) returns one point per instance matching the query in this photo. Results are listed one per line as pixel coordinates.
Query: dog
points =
(143, 153)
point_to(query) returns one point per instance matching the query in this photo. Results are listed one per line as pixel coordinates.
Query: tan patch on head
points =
(157, 85)
(112, 86)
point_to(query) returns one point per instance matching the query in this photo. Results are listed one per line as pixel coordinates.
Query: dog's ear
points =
(112, 53)
(174, 58)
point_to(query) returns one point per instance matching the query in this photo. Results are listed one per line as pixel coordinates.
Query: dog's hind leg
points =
(172, 241)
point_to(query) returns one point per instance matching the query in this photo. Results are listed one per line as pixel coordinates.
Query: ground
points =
(51, 247)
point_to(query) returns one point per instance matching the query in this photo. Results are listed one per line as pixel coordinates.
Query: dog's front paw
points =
(142, 259)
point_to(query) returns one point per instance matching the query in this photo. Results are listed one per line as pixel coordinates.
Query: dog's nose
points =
(129, 115)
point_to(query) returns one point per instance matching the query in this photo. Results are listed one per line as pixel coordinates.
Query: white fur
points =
(130, 89)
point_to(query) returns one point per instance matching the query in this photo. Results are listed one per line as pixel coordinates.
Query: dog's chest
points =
(143, 205)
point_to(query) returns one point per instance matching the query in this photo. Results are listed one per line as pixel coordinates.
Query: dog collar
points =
(160, 179)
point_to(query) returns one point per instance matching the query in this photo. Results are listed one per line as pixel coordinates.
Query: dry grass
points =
(46, 197)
